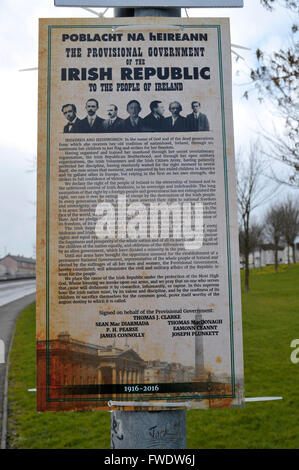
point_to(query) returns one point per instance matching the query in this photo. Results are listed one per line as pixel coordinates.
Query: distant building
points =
(75, 363)
(17, 266)
(160, 371)
(156, 372)
(265, 256)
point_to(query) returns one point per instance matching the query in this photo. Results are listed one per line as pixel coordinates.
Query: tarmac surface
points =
(13, 290)
(23, 294)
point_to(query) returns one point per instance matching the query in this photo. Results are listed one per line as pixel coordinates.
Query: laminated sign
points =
(138, 289)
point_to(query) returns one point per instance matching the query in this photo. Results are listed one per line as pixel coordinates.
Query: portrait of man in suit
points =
(134, 123)
(113, 123)
(154, 120)
(175, 122)
(70, 113)
(197, 121)
(92, 122)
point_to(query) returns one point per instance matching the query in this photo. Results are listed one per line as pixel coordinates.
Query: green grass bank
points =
(270, 323)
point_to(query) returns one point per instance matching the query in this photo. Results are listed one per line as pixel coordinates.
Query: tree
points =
(251, 193)
(290, 225)
(255, 239)
(269, 4)
(273, 229)
(276, 77)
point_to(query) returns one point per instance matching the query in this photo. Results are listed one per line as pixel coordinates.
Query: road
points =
(14, 297)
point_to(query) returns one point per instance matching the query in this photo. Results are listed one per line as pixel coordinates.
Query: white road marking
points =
(2, 352)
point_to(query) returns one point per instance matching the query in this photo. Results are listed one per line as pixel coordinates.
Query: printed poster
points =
(138, 288)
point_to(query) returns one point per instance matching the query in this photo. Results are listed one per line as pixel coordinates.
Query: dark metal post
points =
(148, 429)
(142, 11)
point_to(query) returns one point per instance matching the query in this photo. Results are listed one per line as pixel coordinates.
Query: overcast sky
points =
(251, 26)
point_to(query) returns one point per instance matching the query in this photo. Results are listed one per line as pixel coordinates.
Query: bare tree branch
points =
(276, 79)
(270, 4)
(251, 192)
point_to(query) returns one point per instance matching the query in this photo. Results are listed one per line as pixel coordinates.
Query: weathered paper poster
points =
(138, 294)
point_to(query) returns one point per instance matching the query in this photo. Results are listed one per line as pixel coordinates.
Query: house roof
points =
(271, 247)
(20, 259)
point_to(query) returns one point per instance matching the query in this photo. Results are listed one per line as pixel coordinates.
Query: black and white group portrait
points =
(109, 120)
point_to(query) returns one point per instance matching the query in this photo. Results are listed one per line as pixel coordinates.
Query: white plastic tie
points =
(149, 404)
(90, 10)
(263, 399)
(153, 26)
(28, 70)
(171, 405)
(241, 47)
(179, 404)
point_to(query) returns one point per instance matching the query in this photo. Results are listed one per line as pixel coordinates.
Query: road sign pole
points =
(148, 429)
